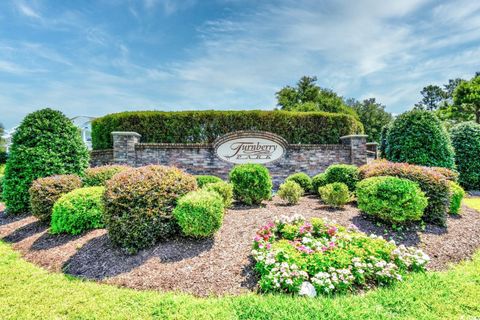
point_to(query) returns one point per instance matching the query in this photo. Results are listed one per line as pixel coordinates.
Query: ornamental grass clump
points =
(139, 204)
(335, 194)
(78, 211)
(203, 180)
(433, 183)
(291, 192)
(98, 176)
(391, 199)
(318, 257)
(344, 173)
(456, 196)
(199, 213)
(224, 189)
(302, 179)
(251, 183)
(44, 192)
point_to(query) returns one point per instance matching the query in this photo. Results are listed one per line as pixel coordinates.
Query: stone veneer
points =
(201, 159)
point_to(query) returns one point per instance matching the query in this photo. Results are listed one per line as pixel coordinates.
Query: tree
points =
(466, 141)
(308, 96)
(466, 100)
(3, 153)
(373, 116)
(433, 96)
(46, 143)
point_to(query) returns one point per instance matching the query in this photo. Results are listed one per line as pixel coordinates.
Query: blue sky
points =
(97, 57)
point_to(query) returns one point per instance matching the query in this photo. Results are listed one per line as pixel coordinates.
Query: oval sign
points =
(250, 147)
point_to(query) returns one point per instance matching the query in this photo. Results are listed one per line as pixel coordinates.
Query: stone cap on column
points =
(126, 133)
(354, 136)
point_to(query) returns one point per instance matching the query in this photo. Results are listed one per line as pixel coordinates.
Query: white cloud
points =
(27, 10)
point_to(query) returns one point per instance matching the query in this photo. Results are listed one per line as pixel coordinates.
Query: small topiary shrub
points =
(224, 189)
(466, 141)
(199, 213)
(302, 179)
(44, 192)
(251, 183)
(78, 211)
(139, 204)
(419, 137)
(203, 180)
(298, 257)
(433, 183)
(391, 199)
(335, 194)
(46, 143)
(344, 173)
(98, 176)
(290, 191)
(456, 196)
(318, 181)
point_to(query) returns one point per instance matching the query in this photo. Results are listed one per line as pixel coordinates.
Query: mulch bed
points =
(221, 265)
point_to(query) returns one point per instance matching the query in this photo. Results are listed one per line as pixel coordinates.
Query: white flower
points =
(307, 289)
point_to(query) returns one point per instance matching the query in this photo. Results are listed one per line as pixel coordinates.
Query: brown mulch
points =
(221, 265)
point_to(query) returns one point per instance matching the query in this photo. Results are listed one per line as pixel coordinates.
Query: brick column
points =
(124, 147)
(358, 148)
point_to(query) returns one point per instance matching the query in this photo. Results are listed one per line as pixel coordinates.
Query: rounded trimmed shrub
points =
(391, 199)
(46, 143)
(433, 183)
(466, 141)
(199, 213)
(344, 173)
(224, 189)
(335, 194)
(78, 211)
(98, 176)
(139, 204)
(251, 183)
(302, 179)
(419, 137)
(290, 191)
(44, 192)
(203, 180)
(456, 196)
(318, 181)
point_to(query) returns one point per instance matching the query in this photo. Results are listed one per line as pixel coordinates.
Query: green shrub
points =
(98, 176)
(447, 173)
(251, 183)
(466, 141)
(224, 189)
(302, 179)
(382, 148)
(44, 192)
(139, 204)
(318, 181)
(335, 194)
(344, 173)
(1, 188)
(46, 143)
(206, 126)
(290, 191)
(391, 199)
(456, 196)
(433, 183)
(203, 180)
(199, 213)
(78, 211)
(419, 137)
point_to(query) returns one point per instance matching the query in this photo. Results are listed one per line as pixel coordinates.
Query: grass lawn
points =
(473, 203)
(28, 292)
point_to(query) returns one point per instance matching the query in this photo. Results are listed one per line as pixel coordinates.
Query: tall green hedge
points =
(206, 126)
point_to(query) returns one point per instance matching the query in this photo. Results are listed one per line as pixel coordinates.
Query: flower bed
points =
(308, 258)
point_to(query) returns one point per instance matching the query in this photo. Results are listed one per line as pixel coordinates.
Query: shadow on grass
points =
(99, 259)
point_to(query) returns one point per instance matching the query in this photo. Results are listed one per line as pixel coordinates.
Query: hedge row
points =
(206, 126)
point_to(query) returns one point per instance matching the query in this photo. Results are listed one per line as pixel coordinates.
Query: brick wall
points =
(201, 158)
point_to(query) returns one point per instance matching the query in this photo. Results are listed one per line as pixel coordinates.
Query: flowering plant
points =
(318, 257)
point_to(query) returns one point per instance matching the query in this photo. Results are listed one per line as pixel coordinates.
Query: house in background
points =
(84, 123)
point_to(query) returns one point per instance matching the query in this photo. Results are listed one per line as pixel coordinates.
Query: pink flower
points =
(332, 231)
